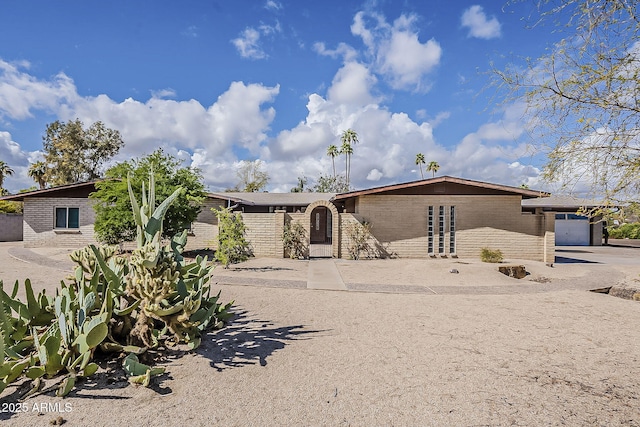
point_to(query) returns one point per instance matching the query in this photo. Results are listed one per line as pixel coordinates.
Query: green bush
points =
(491, 255)
(359, 235)
(294, 239)
(625, 231)
(232, 245)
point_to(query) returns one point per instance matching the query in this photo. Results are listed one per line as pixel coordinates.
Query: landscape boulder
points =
(516, 271)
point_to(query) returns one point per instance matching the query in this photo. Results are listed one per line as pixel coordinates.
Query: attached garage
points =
(572, 230)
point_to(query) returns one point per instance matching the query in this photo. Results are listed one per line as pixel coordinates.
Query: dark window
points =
(430, 230)
(441, 222)
(452, 230)
(67, 218)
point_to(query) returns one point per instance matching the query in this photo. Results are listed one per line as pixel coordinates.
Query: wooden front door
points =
(320, 226)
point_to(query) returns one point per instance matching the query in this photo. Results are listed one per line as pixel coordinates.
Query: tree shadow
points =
(247, 341)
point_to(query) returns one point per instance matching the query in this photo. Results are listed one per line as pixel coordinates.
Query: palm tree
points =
(333, 152)
(37, 171)
(348, 138)
(420, 161)
(433, 167)
(5, 171)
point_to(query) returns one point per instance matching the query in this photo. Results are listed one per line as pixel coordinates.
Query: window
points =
(452, 229)
(67, 218)
(430, 230)
(441, 223)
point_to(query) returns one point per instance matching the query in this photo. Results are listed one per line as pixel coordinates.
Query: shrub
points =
(232, 245)
(359, 235)
(294, 238)
(491, 255)
(625, 231)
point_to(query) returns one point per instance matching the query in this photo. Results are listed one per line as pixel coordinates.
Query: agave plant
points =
(112, 303)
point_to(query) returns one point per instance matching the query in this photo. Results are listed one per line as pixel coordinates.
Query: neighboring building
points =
(10, 227)
(571, 229)
(437, 217)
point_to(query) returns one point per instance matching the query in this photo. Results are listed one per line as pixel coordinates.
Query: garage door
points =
(572, 230)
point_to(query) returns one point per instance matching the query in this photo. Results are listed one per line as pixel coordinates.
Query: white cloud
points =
(397, 51)
(479, 26)
(273, 5)
(248, 44)
(352, 84)
(20, 92)
(18, 160)
(344, 51)
(237, 126)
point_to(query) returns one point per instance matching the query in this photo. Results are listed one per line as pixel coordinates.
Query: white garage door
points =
(572, 230)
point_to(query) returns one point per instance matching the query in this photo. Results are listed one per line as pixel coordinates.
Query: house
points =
(431, 218)
(571, 228)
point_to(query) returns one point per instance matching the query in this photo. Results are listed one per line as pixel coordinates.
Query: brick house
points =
(437, 217)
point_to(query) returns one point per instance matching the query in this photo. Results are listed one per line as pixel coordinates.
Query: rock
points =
(453, 270)
(516, 271)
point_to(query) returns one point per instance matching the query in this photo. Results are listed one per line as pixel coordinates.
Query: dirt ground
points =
(409, 343)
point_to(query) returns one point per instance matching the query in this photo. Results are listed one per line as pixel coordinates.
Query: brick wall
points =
(399, 223)
(262, 233)
(10, 227)
(38, 223)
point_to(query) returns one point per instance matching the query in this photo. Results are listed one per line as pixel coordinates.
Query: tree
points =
(74, 154)
(251, 177)
(433, 167)
(114, 219)
(302, 182)
(5, 171)
(331, 184)
(333, 152)
(37, 171)
(420, 161)
(349, 138)
(581, 98)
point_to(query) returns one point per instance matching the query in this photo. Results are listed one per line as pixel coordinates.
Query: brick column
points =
(279, 218)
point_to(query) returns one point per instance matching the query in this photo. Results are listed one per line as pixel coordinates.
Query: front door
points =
(320, 226)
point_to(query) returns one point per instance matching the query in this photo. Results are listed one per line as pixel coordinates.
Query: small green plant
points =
(232, 245)
(294, 238)
(359, 235)
(491, 255)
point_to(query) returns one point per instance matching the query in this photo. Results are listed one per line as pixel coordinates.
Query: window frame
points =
(67, 209)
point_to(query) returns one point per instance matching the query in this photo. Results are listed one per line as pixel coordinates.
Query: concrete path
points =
(323, 274)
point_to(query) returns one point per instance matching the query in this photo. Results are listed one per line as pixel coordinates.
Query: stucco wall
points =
(10, 227)
(38, 223)
(399, 223)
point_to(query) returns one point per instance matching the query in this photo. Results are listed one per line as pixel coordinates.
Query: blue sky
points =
(218, 82)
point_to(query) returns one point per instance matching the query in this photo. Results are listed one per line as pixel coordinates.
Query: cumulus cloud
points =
(479, 25)
(397, 52)
(20, 93)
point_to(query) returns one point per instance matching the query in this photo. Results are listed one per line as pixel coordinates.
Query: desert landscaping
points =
(408, 343)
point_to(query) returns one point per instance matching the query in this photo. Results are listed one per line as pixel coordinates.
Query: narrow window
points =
(67, 218)
(441, 223)
(430, 230)
(452, 230)
(317, 221)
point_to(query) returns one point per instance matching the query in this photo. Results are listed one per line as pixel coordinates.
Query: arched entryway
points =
(323, 229)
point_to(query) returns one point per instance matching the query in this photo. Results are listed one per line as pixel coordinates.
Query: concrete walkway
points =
(323, 274)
